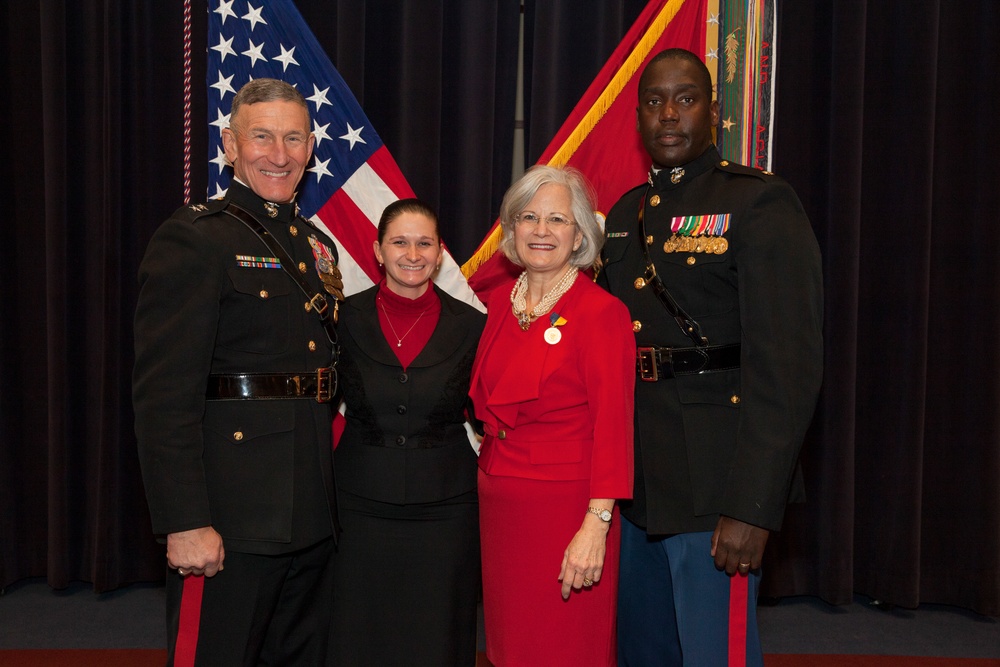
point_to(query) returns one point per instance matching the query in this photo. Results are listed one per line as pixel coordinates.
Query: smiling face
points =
(676, 112)
(411, 253)
(544, 248)
(269, 144)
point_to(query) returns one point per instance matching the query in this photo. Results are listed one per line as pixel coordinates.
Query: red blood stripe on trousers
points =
(739, 585)
(189, 622)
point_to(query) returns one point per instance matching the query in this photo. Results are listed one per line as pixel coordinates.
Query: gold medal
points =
(721, 245)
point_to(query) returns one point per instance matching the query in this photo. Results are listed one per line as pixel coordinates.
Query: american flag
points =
(352, 176)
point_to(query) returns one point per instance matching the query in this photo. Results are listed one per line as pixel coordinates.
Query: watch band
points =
(603, 515)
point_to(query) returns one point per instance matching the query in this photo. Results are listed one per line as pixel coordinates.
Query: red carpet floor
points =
(155, 658)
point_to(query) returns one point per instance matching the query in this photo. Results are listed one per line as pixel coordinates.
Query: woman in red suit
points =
(552, 384)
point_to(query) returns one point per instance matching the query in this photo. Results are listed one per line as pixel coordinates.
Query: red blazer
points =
(558, 411)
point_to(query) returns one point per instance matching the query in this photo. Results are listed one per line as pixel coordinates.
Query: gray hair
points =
(583, 202)
(266, 90)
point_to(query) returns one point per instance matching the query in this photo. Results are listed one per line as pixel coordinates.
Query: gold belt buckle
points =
(646, 359)
(318, 302)
(324, 385)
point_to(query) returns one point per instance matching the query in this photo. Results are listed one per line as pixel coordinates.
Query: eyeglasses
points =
(532, 220)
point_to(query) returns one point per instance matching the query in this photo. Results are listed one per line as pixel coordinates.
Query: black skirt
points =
(406, 583)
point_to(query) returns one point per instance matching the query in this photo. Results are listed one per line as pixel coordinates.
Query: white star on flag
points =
(319, 131)
(319, 97)
(353, 136)
(286, 58)
(320, 169)
(226, 9)
(224, 47)
(221, 122)
(253, 15)
(254, 53)
(221, 159)
(223, 85)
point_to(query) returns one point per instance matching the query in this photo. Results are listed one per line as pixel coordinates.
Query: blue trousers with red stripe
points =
(676, 608)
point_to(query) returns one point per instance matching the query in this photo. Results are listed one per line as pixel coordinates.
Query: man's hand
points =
(197, 551)
(738, 546)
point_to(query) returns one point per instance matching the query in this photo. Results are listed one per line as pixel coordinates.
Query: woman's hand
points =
(583, 559)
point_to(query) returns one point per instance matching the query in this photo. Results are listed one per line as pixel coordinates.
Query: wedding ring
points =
(588, 582)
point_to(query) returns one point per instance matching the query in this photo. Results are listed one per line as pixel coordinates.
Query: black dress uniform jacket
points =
(723, 442)
(404, 444)
(259, 471)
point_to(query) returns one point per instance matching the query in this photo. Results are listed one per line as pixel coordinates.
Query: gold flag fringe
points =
(486, 250)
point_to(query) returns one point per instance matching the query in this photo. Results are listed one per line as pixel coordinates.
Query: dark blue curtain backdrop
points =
(883, 126)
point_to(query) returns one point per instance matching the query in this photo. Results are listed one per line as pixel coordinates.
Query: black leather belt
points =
(659, 363)
(321, 385)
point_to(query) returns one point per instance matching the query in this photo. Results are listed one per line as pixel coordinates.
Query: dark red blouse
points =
(412, 319)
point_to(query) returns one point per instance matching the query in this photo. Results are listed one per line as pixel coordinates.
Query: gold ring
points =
(588, 582)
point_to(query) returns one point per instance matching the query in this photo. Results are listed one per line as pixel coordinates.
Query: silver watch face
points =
(605, 515)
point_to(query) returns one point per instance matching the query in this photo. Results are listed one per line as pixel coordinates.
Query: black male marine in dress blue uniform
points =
(727, 384)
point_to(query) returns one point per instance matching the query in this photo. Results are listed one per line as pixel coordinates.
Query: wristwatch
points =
(603, 515)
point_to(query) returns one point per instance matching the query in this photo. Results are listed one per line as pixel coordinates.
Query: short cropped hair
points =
(401, 206)
(681, 54)
(266, 90)
(583, 201)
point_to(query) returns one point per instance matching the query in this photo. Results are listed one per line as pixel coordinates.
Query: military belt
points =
(660, 363)
(320, 385)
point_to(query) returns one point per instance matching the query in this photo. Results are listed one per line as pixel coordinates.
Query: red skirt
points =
(525, 527)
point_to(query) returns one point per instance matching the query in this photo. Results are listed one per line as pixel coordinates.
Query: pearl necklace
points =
(399, 339)
(518, 297)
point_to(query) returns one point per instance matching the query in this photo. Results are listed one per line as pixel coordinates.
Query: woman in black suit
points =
(407, 568)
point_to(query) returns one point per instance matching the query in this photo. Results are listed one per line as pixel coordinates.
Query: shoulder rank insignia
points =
(198, 207)
(698, 233)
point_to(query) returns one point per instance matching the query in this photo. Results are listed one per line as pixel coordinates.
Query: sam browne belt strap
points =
(687, 324)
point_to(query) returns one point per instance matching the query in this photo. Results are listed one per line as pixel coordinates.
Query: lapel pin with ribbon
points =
(552, 334)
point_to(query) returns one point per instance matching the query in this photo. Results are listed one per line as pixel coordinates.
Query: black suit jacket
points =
(722, 442)
(259, 471)
(405, 439)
